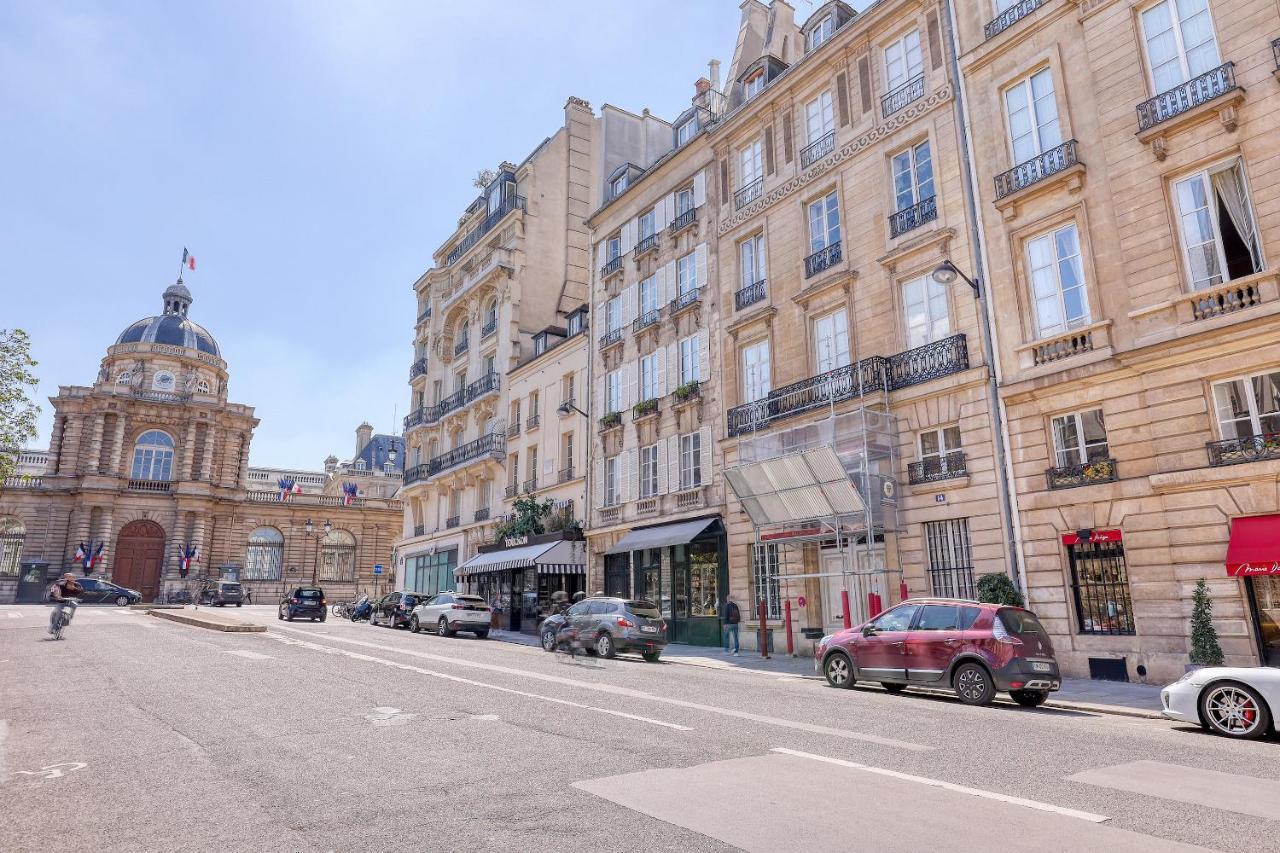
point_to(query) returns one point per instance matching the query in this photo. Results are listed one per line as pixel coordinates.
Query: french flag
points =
(349, 493)
(288, 487)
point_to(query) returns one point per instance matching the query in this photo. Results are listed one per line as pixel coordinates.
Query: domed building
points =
(151, 463)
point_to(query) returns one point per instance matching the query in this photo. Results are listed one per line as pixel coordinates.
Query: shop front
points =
(1254, 554)
(518, 579)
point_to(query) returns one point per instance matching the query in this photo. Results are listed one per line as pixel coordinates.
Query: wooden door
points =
(139, 558)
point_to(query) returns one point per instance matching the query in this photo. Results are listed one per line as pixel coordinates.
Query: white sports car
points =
(1236, 701)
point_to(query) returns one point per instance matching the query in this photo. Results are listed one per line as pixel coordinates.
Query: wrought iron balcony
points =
(456, 400)
(748, 194)
(646, 244)
(912, 90)
(749, 295)
(645, 320)
(610, 338)
(461, 345)
(931, 361)
(512, 490)
(418, 368)
(452, 521)
(417, 416)
(1249, 448)
(816, 150)
(482, 514)
(484, 385)
(474, 236)
(489, 328)
(913, 217)
(419, 529)
(937, 468)
(153, 396)
(1082, 474)
(513, 429)
(684, 220)
(530, 485)
(820, 260)
(1187, 96)
(566, 474)
(611, 266)
(425, 315)
(1010, 16)
(417, 474)
(532, 422)
(494, 444)
(1036, 169)
(684, 300)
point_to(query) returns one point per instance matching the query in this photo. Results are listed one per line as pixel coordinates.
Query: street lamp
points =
(566, 407)
(947, 273)
(310, 529)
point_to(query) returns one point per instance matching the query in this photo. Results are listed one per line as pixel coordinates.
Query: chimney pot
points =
(701, 86)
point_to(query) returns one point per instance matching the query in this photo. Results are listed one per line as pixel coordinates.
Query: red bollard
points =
(764, 629)
(791, 643)
(873, 605)
(903, 591)
(844, 602)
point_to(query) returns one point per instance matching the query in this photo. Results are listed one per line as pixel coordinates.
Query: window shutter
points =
(628, 305)
(935, 41)
(663, 479)
(631, 479)
(673, 462)
(628, 236)
(768, 150)
(724, 181)
(630, 381)
(842, 97)
(700, 265)
(700, 189)
(864, 82)
(705, 451)
(668, 210)
(787, 152)
(597, 488)
(704, 355)
(673, 366)
(660, 372)
(599, 256)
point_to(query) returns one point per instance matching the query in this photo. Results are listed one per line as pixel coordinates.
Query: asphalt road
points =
(140, 734)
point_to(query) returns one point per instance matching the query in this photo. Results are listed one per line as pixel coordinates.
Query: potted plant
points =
(644, 407)
(688, 390)
(610, 420)
(1205, 649)
(998, 589)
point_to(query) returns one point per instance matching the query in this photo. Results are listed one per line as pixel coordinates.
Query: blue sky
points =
(310, 154)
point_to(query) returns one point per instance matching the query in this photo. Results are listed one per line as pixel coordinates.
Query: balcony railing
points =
(748, 194)
(483, 385)
(928, 362)
(513, 429)
(419, 530)
(816, 150)
(1036, 169)
(462, 345)
(610, 338)
(489, 328)
(417, 474)
(820, 260)
(1225, 300)
(482, 514)
(1189, 95)
(937, 468)
(512, 491)
(532, 422)
(418, 368)
(452, 521)
(492, 444)
(690, 497)
(684, 220)
(473, 237)
(530, 485)
(645, 320)
(912, 90)
(611, 266)
(1082, 474)
(749, 295)
(913, 217)
(425, 315)
(566, 474)
(645, 244)
(1009, 17)
(683, 300)
(153, 396)
(1249, 448)
(150, 486)
(24, 481)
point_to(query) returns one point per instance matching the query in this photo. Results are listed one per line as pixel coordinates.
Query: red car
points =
(974, 649)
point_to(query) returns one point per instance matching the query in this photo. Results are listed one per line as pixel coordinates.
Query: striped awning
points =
(562, 557)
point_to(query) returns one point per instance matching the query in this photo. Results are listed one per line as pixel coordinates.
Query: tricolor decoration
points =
(288, 487)
(188, 259)
(89, 556)
(349, 493)
(188, 555)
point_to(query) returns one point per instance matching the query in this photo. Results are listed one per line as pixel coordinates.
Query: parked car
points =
(221, 593)
(395, 609)
(1233, 701)
(972, 648)
(305, 602)
(452, 611)
(98, 591)
(608, 625)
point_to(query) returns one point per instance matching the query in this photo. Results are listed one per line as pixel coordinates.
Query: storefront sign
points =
(1245, 570)
(1092, 536)
(513, 541)
(788, 534)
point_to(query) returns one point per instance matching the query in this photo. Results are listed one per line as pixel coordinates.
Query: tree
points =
(1205, 650)
(17, 411)
(528, 517)
(998, 589)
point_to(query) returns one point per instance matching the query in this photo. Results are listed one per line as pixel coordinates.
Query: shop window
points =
(1100, 583)
(764, 579)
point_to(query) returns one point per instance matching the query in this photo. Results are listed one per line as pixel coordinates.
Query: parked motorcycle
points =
(360, 609)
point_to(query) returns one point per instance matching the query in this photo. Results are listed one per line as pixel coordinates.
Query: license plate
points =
(1041, 667)
(648, 629)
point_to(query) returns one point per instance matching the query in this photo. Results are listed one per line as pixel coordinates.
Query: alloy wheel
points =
(1232, 711)
(839, 672)
(548, 641)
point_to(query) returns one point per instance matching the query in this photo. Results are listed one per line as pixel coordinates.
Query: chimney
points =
(701, 86)
(714, 67)
(364, 434)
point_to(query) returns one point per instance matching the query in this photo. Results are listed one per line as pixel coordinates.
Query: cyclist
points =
(63, 593)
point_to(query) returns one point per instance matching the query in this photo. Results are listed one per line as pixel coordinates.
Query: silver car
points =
(449, 612)
(608, 625)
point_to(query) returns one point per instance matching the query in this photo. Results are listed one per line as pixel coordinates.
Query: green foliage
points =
(688, 390)
(17, 387)
(612, 419)
(644, 407)
(1204, 637)
(528, 517)
(999, 589)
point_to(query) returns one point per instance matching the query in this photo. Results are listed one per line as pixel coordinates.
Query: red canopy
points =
(1255, 546)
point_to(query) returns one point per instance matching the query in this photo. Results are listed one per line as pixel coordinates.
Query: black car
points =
(305, 602)
(98, 591)
(395, 608)
(221, 593)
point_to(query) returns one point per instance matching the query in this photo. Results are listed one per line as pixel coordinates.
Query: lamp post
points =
(566, 407)
(311, 531)
(947, 273)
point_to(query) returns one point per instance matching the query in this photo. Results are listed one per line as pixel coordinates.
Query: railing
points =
(532, 421)
(1009, 17)
(749, 295)
(492, 444)
(425, 315)
(1036, 169)
(1065, 346)
(610, 338)
(419, 530)
(647, 506)
(512, 491)
(483, 385)
(1249, 448)
(514, 428)
(461, 345)
(822, 259)
(566, 474)
(489, 328)
(1225, 300)
(1189, 95)
(21, 481)
(611, 420)
(530, 485)
(645, 320)
(418, 368)
(748, 194)
(952, 583)
(452, 521)
(912, 90)
(482, 514)
(610, 514)
(456, 400)
(485, 227)
(150, 486)
(816, 150)
(931, 361)
(937, 468)
(650, 242)
(153, 396)
(611, 266)
(264, 497)
(1082, 474)
(417, 473)
(913, 217)
(684, 300)
(684, 220)
(690, 498)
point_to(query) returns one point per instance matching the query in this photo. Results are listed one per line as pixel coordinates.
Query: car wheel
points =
(239, 604)
(650, 657)
(414, 625)
(122, 600)
(443, 628)
(323, 617)
(1029, 698)
(973, 684)
(482, 634)
(893, 686)
(839, 671)
(1234, 710)
(548, 641)
(605, 646)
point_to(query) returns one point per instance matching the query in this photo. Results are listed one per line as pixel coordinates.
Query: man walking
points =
(732, 616)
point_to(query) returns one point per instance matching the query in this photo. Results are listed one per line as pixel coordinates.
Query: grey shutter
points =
(864, 82)
(787, 152)
(768, 150)
(935, 41)
(842, 97)
(724, 181)
(700, 188)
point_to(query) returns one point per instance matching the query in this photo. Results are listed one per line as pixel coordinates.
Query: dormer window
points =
(618, 185)
(821, 32)
(754, 84)
(685, 131)
(540, 343)
(576, 324)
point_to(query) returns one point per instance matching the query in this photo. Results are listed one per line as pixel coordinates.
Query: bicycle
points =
(339, 610)
(60, 618)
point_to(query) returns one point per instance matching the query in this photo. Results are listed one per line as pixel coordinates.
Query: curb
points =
(146, 607)
(212, 625)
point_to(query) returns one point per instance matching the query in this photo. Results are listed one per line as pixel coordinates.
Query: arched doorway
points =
(139, 558)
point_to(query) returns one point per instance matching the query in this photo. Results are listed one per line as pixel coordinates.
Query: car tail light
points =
(1001, 634)
(1015, 685)
(293, 601)
(322, 601)
(624, 622)
(458, 607)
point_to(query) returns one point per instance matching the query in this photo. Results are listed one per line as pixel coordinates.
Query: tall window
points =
(567, 389)
(12, 536)
(690, 369)
(821, 32)
(338, 557)
(1100, 581)
(649, 377)
(749, 161)
(535, 407)
(1057, 281)
(491, 312)
(824, 223)
(1180, 43)
(686, 274)
(648, 295)
(263, 557)
(950, 558)
(575, 324)
(612, 495)
(912, 176)
(764, 578)
(1219, 235)
(755, 84)
(531, 463)
(1033, 116)
(431, 573)
(936, 445)
(819, 117)
(489, 364)
(613, 392)
(484, 493)
(756, 369)
(831, 341)
(613, 314)
(1248, 407)
(460, 380)
(649, 471)
(1079, 437)
(903, 61)
(566, 452)
(152, 456)
(684, 201)
(613, 247)
(513, 473)
(751, 254)
(924, 301)
(648, 223)
(685, 132)
(690, 461)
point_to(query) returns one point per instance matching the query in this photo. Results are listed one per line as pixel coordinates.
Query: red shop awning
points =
(1255, 546)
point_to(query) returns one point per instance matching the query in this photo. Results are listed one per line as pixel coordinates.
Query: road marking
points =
(458, 680)
(638, 694)
(484, 716)
(1230, 792)
(13, 615)
(389, 717)
(949, 786)
(243, 653)
(53, 771)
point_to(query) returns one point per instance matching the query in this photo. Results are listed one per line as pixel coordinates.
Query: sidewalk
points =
(207, 619)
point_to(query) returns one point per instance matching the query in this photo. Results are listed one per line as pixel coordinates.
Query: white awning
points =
(795, 487)
(661, 535)
(559, 557)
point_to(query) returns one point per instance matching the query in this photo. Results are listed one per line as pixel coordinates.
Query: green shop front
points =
(519, 577)
(683, 567)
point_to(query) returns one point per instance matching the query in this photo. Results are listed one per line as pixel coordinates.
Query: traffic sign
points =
(377, 569)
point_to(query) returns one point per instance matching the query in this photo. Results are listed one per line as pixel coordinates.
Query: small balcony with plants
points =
(611, 421)
(1082, 474)
(688, 392)
(644, 409)
(1248, 448)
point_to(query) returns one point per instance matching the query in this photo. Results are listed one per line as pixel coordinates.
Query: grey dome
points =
(172, 327)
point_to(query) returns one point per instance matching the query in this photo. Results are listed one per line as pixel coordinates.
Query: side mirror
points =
(869, 630)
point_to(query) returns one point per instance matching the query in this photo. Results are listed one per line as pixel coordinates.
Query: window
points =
(1180, 45)
(1057, 281)
(1032, 113)
(685, 131)
(821, 32)
(264, 555)
(754, 84)
(749, 160)
(902, 61)
(1100, 581)
(338, 557)
(152, 456)
(751, 254)
(649, 377)
(531, 463)
(613, 314)
(947, 617)
(484, 494)
(429, 574)
(648, 295)
(460, 380)
(515, 414)
(125, 378)
(684, 201)
(13, 534)
(1219, 235)
(163, 381)
(437, 390)
(566, 452)
(613, 392)
(202, 387)
(924, 302)
(540, 343)
(513, 473)
(617, 186)
(897, 619)
(686, 274)
(936, 445)
(1079, 438)
(690, 461)
(819, 118)
(690, 368)
(567, 389)
(950, 558)
(755, 372)
(575, 323)
(612, 495)
(613, 248)
(649, 471)
(648, 222)
(831, 341)
(912, 176)
(488, 364)
(455, 503)
(764, 579)
(824, 223)
(534, 408)
(491, 312)
(1248, 407)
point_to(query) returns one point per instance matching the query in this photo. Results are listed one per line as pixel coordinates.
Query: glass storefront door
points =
(1266, 597)
(698, 575)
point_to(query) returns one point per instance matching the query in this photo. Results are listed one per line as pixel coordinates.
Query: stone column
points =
(117, 446)
(95, 443)
(108, 548)
(189, 451)
(206, 462)
(81, 532)
(69, 446)
(55, 444)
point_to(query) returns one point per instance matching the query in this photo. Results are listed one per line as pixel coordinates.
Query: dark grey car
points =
(609, 625)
